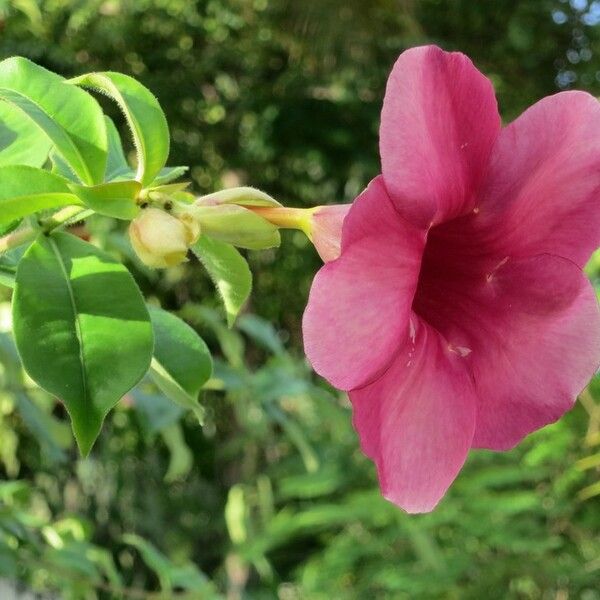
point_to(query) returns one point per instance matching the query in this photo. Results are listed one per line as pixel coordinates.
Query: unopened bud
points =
(160, 239)
(322, 225)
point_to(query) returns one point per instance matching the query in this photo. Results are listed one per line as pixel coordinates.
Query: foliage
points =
(271, 496)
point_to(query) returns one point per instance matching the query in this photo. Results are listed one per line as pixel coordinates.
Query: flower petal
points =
(416, 422)
(326, 230)
(359, 305)
(543, 187)
(438, 126)
(535, 345)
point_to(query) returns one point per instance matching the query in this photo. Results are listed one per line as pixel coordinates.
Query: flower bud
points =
(160, 239)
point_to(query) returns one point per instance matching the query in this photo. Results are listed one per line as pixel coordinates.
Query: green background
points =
(272, 497)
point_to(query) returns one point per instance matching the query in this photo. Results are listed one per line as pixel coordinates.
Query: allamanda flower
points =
(457, 315)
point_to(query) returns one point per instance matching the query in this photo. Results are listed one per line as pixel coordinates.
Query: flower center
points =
(456, 263)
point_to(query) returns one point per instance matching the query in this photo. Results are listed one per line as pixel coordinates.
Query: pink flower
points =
(325, 229)
(457, 315)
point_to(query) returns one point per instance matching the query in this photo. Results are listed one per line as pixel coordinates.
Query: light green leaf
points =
(153, 557)
(81, 327)
(229, 271)
(238, 226)
(181, 458)
(21, 141)
(7, 278)
(116, 199)
(246, 196)
(168, 174)
(27, 190)
(116, 164)
(143, 114)
(182, 363)
(70, 117)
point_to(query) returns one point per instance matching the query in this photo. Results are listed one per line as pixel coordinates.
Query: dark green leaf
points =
(81, 327)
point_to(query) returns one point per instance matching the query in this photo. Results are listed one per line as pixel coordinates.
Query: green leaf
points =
(168, 174)
(27, 190)
(116, 163)
(238, 226)
(70, 117)
(116, 199)
(144, 116)
(153, 557)
(155, 412)
(81, 327)
(229, 271)
(262, 332)
(182, 363)
(181, 458)
(21, 141)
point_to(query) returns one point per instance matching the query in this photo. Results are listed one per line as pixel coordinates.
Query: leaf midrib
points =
(78, 329)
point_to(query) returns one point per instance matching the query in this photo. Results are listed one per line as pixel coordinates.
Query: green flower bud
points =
(162, 240)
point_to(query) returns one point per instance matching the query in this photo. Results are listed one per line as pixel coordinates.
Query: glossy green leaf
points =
(27, 190)
(116, 163)
(229, 271)
(238, 226)
(116, 199)
(81, 327)
(70, 117)
(22, 142)
(144, 116)
(182, 361)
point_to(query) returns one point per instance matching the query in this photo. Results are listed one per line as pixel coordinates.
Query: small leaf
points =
(153, 558)
(182, 363)
(70, 117)
(27, 190)
(21, 141)
(181, 459)
(116, 199)
(116, 163)
(144, 116)
(81, 327)
(229, 271)
(262, 332)
(168, 174)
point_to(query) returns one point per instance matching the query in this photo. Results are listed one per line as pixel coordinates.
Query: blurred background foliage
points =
(272, 497)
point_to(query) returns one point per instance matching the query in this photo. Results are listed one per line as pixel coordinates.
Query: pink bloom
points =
(457, 315)
(325, 229)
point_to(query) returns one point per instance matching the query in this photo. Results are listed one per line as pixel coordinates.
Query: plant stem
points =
(28, 233)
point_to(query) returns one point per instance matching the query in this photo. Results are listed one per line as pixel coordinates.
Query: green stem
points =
(29, 233)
